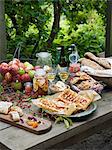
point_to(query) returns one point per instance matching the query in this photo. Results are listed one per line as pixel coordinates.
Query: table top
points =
(15, 138)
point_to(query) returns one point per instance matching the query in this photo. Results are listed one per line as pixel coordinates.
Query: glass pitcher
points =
(44, 58)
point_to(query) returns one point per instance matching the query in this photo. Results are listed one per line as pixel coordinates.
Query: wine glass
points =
(63, 73)
(51, 75)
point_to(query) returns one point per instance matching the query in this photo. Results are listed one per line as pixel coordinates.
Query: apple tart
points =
(69, 97)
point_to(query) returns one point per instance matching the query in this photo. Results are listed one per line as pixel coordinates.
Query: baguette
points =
(90, 63)
(101, 61)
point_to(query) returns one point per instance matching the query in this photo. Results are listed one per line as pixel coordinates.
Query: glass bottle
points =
(63, 61)
(73, 57)
(68, 53)
(58, 55)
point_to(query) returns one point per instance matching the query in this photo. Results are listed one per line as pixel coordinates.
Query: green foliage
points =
(91, 35)
(26, 21)
(30, 22)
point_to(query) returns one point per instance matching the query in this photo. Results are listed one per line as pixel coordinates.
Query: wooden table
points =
(18, 139)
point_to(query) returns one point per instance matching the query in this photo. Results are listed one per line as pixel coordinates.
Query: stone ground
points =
(100, 141)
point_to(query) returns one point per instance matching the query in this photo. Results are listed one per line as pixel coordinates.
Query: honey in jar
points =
(40, 82)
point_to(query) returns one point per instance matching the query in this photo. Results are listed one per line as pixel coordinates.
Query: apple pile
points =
(15, 73)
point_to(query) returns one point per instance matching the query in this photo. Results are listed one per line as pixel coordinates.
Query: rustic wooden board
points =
(42, 128)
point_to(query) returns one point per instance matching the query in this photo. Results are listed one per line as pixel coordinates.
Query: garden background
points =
(43, 25)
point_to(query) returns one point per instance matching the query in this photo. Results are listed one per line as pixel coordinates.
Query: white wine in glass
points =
(63, 75)
(51, 76)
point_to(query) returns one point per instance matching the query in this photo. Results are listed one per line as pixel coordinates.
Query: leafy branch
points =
(56, 118)
(67, 121)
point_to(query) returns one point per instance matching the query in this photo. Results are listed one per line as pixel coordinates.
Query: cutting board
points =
(42, 128)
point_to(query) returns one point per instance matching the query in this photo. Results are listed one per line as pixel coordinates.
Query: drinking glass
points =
(51, 75)
(63, 73)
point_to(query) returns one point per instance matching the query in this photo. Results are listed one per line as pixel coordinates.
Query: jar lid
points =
(40, 72)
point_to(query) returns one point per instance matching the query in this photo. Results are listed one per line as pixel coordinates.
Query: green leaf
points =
(57, 120)
(69, 120)
(67, 125)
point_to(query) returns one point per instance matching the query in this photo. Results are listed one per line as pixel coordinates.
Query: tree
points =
(56, 23)
(42, 25)
(2, 31)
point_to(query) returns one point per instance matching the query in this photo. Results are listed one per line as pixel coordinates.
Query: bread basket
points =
(102, 76)
(106, 80)
(105, 74)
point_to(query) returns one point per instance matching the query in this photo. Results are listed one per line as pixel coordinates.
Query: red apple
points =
(25, 78)
(13, 69)
(8, 77)
(4, 68)
(0, 68)
(4, 64)
(21, 65)
(4, 82)
(16, 85)
(17, 77)
(15, 61)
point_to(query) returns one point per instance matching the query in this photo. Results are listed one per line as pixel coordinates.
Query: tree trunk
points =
(55, 27)
(2, 31)
(56, 23)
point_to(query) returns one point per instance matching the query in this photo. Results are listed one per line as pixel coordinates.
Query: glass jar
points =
(28, 88)
(40, 82)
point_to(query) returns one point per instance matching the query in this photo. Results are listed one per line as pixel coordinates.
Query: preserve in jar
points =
(40, 82)
(28, 88)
